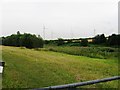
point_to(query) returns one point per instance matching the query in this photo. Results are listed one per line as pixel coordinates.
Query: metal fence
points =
(2, 63)
(74, 85)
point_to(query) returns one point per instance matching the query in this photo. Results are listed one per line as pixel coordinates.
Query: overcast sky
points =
(62, 18)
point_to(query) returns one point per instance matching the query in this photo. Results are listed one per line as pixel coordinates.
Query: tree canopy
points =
(113, 40)
(84, 42)
(100, 39)
(26, 40)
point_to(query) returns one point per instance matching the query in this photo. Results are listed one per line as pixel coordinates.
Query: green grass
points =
(92, 52)
(29, 68)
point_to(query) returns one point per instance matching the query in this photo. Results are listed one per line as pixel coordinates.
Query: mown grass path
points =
(28, 68)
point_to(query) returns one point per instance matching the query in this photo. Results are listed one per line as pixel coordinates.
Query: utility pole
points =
(72, 35)
(94, 32)
(44, 28)
(51, 35)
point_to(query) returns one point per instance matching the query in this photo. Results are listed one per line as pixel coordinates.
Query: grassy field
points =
(92, 52)
(29, 68)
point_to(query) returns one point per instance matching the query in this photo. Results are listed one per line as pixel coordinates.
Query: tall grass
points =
(93, 52)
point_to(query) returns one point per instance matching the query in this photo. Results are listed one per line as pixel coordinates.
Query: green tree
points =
(60, 41)
(113, 40)
(18, 32)
(26, 40)
(99, 39)
(102, 39)
(84, 42)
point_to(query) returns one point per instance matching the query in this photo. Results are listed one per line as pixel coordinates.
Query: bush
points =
(97, 52)
(84, 42)
(60, 41)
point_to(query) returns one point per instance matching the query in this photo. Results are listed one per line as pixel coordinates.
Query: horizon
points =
(59, 19)
(60, 37)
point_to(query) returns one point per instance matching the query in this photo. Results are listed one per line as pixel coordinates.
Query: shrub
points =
(60, 41)
(84, 42)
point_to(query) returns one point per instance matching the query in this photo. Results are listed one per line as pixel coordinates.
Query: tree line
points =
(32, 41)
(112, 40)
(26, 40)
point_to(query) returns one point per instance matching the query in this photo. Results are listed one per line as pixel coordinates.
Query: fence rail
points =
(2, 63)
(74, 85)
